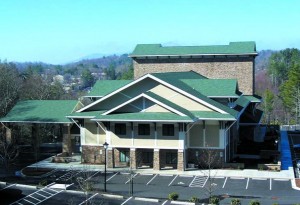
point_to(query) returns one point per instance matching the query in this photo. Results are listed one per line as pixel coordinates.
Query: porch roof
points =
(104, 87)
(144, 116)
(41, 111)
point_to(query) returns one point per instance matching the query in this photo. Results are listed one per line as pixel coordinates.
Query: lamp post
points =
(105, 145)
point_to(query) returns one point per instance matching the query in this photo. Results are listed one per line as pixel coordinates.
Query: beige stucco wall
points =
(93, 135)
(144, 140)
(212, 135)
(240, 68)
(121, 140)
(196, 136)
(167, 141)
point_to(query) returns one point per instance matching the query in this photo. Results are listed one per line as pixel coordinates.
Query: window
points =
(171, 158)
(120, 129)
(144, 129)
(168, 130)
(124, 156)
(147, 157)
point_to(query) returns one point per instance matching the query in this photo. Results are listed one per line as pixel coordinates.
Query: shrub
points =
(235, 202)
(173, 196)
(194, 199)
(214, 200)
(275, 204)
(254, 202)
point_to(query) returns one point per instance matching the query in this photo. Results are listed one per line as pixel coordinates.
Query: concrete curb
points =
(146, 199)
(293, 181)
(182, 202)
(112, 196)
(27, 186)
(3, 183)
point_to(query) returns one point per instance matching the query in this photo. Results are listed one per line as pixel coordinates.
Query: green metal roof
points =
(214, 87)
(252, 98)
(104, 87)
(144, 116)
(41, 111)
(234, 48)
(242, 101)
(88, 114)
(212, 115)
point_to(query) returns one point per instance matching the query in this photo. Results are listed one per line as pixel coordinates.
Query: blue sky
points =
(60, 31)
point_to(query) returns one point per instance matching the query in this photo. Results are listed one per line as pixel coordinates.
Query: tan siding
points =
(156, 108)
(178, 98)
(196, 136)
(188, 103)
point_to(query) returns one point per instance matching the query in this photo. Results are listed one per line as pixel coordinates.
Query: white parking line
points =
(270, 184)
(126, 201)
(225, 182)
(112, 176)
(92, 176)
(164, 202)
(132, 178)
(8, 186)
(205, 182)
(152, 179)
(173, 180)
(247, 183)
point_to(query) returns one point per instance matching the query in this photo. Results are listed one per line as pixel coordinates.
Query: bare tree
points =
(209, 160)
(10, 85)
(8, 149)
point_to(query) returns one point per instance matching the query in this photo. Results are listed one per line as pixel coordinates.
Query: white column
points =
(82, 135)
(204, 134)
(132, 133)
(221, 136)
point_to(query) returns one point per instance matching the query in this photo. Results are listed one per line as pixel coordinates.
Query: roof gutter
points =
(209, 54)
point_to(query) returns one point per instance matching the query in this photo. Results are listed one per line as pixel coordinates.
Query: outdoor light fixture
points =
(105, 145)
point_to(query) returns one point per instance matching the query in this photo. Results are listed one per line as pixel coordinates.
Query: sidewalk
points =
(246, 173)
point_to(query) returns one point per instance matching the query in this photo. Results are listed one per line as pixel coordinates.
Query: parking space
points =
(143, 178)
(280, 184)
(235, 183)
(161, 180)
(216, 182)
(182, 180)
(120, 178)
(261, 183)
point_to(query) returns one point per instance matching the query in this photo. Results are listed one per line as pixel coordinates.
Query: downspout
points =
(4, 125)
(75, 123)
(228, 139)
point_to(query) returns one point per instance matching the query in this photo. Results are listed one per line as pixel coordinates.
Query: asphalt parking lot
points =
(156, 187)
